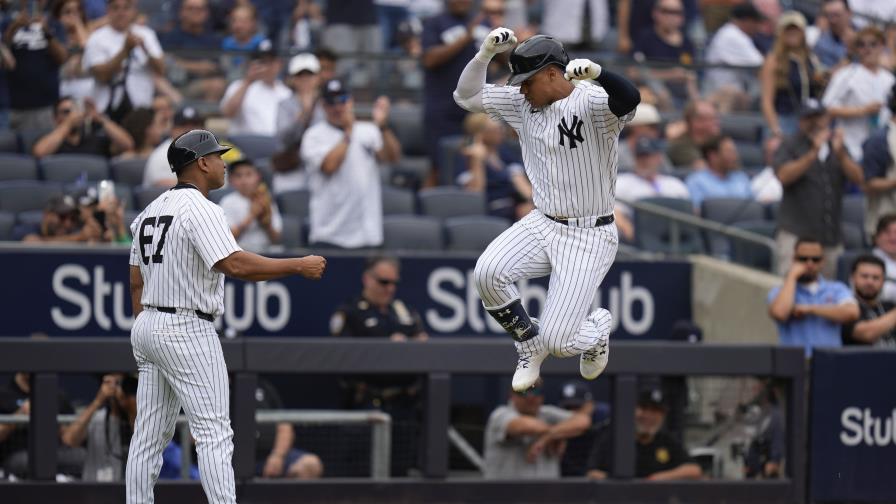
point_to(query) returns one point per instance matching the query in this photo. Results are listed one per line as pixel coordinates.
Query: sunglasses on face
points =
(671, 12)
(532, 392)
(64, 111)
(385, 282)
(815, 259)
(867, 44)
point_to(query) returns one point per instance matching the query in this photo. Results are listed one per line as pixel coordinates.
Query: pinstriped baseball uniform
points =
(569, 153)
(178, 239)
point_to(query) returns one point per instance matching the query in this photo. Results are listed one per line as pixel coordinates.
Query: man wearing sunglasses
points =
(809, 309)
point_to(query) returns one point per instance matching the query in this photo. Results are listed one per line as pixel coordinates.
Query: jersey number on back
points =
(163, 222)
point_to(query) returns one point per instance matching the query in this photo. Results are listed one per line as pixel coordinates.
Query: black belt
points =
(600, 221)
(167, 309)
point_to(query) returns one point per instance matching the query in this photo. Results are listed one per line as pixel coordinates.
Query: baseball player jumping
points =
(182, 249)
(569, 127)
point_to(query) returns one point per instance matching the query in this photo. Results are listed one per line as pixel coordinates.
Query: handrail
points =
(677, 218)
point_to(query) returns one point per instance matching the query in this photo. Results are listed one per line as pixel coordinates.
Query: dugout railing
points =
(438, 360)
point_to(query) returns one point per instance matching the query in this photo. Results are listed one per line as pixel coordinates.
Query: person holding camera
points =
(80, 131)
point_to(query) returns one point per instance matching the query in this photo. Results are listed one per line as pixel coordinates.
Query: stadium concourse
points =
(755, 208)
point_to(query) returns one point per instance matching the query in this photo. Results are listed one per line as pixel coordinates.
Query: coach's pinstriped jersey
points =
(569, 147)
(178, 238)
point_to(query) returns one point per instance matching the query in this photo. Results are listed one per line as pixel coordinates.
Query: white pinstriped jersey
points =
(569, 147)
(178, 238)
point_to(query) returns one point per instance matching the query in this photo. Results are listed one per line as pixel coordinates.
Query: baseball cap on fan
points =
(304, 62)
(188, 116)
(335, 92)
(574, 394)
(264, 50)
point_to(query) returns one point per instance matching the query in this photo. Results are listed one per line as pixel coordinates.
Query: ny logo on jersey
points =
(572, 132)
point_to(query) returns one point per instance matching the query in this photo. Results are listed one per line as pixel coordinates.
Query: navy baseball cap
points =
(265, 49)
(647, 146)
(188, 115)
(652, 398)
(574, 394)
(335, 91)
(811, 107)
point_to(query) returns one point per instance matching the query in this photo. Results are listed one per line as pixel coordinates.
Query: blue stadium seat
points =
(451, 201)
(654, 233)
(216, 195)
(128, 171)
(7, 221)
(448, 148)
(72, 167)
(853, 236)
(728, 211)
(18, 196)
(412, 232)
(295, 203)
(742, 127)
(17, 167)
(255, 146)
(28, 137)
(854, 210)
(143, 196)
(9, 141)
(30, 217)
(291, 236)
(406, 118)
(397, 201)
(750, 153)
(752, 254)
(771, 210)
(473, 233)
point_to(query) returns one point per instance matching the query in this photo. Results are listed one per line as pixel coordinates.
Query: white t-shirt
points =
(558, 15)
(731, 46)
(258, 113)
(157, 167)
(236, 209)
(853, 86)
(889, 291)
(104, 44)
(880, 11)
(632, 187)
(346, 207)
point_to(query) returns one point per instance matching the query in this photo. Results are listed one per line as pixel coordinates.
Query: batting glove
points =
(498, 41)
(581, 69)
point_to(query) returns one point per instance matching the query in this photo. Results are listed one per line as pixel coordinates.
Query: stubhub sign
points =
(84, 293)
(853, 425)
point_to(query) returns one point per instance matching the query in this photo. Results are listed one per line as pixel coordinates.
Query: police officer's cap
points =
(191, 146)
(532, 55)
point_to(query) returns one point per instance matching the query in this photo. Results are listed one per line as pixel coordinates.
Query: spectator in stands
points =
(307, 21)
(341, 156)
(636, 16)
(858, 91)
(354, 30)
(702, 122)
(15, 400)
(328, 60)
(765, 185)
(250, 210)
(644, 182)
(885, 249)
(809, 309)
(146, 129)
(833, 42)
(34, 40)
(658, 455)
(666, 41)
(157, 171)
(75, 81)
(813, 167)
(876, 325)
(61, 222)
(163, 106)
(789, 76)
(80, 131)
(574, 395)
(450, 40)
(593, 22)
(377, 313)
(244, 35)
(526, 439)
(201, 74)
(733, 45)
(646, 123)
(105, 212)
(250, 102)
(878, 155)
(868, 12)
(106, 425)
(764, 457)
(487, 165)
(294, 115)
(723, 176)
(123, 58)
(275, 452)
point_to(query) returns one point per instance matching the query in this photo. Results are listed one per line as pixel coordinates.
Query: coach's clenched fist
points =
(313, 267)
(582, 69)
(498, 41)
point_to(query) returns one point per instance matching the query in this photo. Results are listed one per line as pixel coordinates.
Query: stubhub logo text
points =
(860, 426)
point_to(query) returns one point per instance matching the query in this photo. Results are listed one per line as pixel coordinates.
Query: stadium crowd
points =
(774, 116)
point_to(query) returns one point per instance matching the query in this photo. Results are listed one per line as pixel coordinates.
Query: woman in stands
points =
(146, 128)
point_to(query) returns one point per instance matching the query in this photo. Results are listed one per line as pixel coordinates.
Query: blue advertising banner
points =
(853, 426)
(85, 293)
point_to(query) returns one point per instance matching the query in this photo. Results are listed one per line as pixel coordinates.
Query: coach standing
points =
(181, 251)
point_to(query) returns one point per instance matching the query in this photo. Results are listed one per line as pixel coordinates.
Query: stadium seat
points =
(451, 201)
(654, 232)
(853, 210)
(727, 211)
(295, 203)
(448, 148)
(143, 196)
(17, 167)
(844, 264)
(72, 167)
(412, 232)
(853, 236)
(9, 141)
(255, 146)
(771, 210)
(753, 254)
(128, 171)
(7, 221)
(750, 154)
(291, 236)
(30, 217)
(406, 118)
(216, 195)
(397, 201)
(19, 196)
(473, 233)
(28, 137)
(742, 128)
(410, 172)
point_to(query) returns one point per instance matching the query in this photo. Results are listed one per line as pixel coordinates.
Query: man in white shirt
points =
(644, 182)
(123, 57)
(733, 45)
(251, 212)
(251, 102)
(157, 171)
(867, 12)
(341, 156)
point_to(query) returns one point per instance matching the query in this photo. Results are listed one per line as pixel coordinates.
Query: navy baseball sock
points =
(514, 319)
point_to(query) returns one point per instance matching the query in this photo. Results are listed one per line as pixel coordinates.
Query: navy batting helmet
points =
(534, 54)
(191, 146)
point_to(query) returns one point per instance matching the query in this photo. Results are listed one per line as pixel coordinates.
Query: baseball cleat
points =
(531, 354)
(593, 361)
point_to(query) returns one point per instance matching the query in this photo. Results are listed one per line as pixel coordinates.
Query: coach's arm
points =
(255, 268)
(575, 425)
